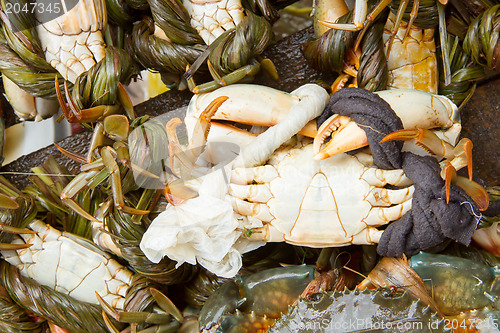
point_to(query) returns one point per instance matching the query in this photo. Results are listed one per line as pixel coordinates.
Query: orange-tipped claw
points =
(425, 139)
(210, 110)
(404, 135)
(449, 174)
(345, 136)
(464, 147)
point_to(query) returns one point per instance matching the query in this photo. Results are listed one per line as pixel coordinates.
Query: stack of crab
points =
(311, 180)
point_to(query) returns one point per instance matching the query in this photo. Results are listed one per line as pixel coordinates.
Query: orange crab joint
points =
(345, 136)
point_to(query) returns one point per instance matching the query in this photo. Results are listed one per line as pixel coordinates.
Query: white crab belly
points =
(319, 203)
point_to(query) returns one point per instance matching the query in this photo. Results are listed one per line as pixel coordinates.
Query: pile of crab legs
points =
(266, 167)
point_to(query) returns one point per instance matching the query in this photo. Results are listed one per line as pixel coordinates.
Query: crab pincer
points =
(416, 109)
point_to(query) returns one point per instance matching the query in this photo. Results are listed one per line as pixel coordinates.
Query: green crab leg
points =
(249, 70)
(116, 187)
(413, 16)
(14, 230)
(17, 231)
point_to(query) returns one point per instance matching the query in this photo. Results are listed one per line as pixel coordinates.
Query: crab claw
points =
(203, 125)
(345, 136)
(477, 193)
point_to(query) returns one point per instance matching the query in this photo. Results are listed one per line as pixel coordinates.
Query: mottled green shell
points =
(243, 323)
(360, 311)
(457, 284)
(251, 302)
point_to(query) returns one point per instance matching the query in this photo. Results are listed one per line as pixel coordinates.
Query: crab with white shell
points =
(285, 194)
(80, 271)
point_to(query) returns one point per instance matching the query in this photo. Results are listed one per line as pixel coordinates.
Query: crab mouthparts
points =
(345, 135)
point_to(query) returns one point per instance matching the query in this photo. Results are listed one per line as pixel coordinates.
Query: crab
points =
(73, 42)
(81, 271)
(280, 190)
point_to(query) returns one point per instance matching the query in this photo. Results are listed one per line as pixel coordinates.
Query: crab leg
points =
(417, 109)
(257, 210)
(379, 177)
(259, 174)
(386, 197)
(359, 16)
(382, 215)
(257, 193)
(369, 235)
(460, 156)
